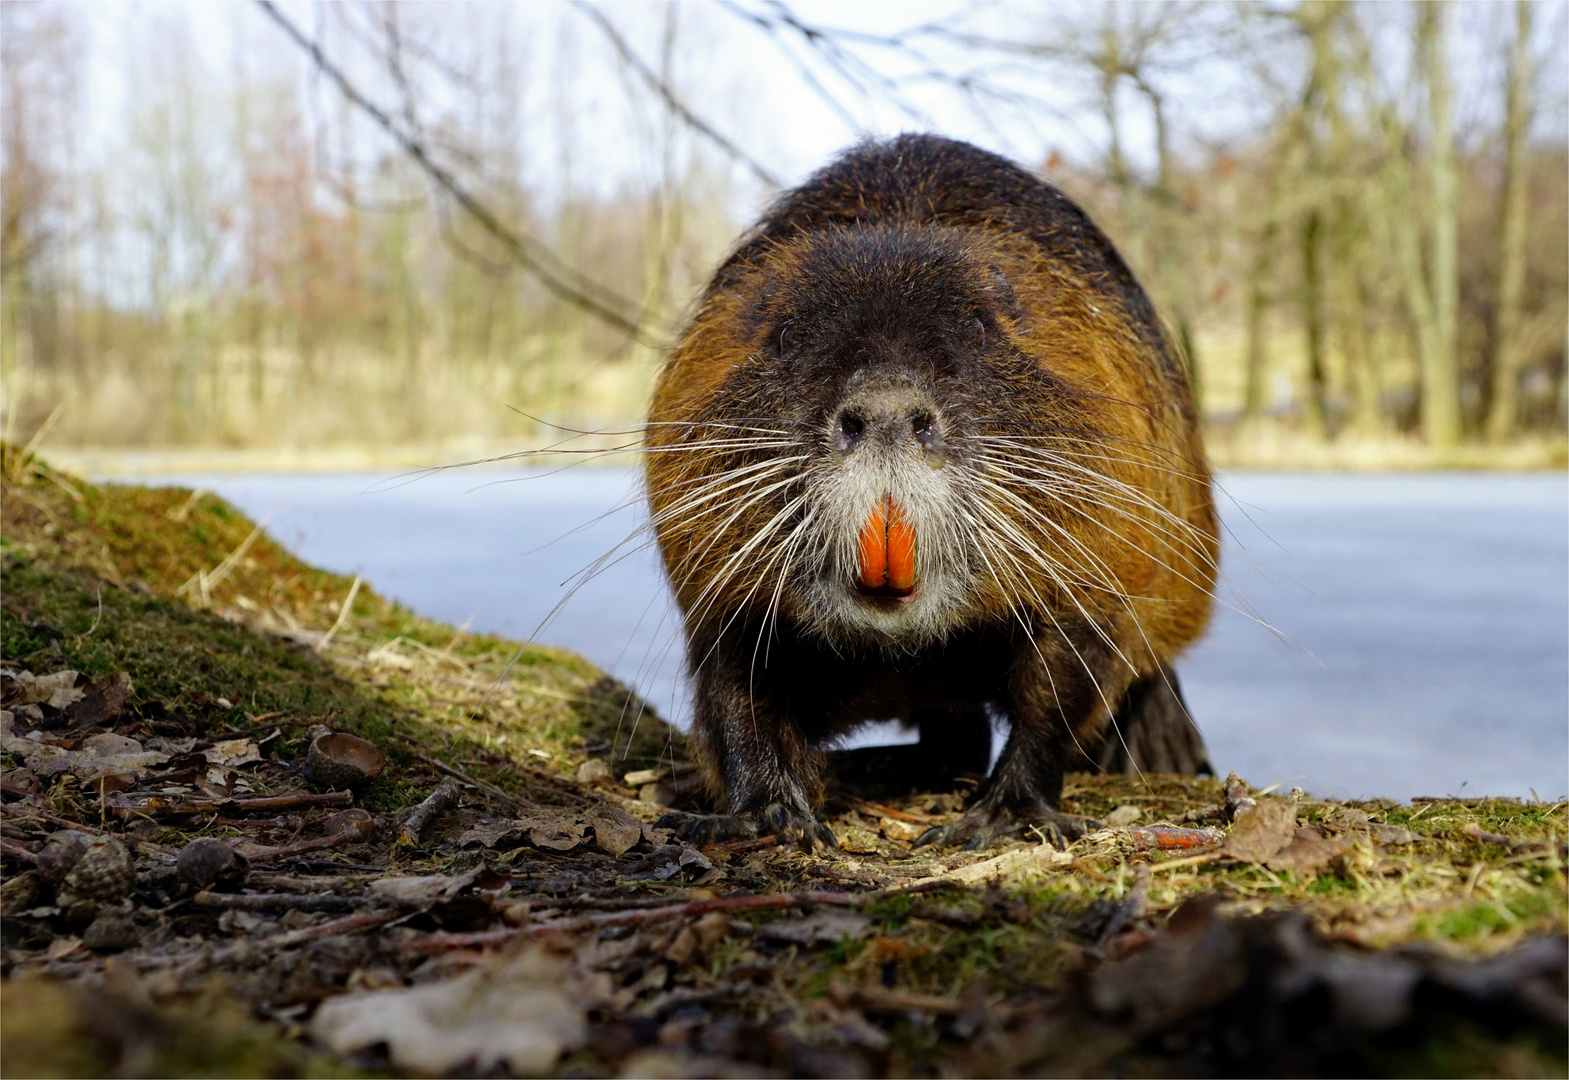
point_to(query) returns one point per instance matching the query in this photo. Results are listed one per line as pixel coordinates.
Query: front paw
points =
(799, 826)
(777, 820)
(703, 829)
(984, 825)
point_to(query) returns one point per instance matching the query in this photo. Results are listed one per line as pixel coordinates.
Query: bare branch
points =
(672, 102)
(548, 268)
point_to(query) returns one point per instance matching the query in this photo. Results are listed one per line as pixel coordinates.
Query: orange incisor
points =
(887, 550)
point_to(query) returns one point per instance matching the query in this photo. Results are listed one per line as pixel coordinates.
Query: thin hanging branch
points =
(671, 100)
(545, 266)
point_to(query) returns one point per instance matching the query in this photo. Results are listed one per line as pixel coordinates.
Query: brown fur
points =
(956, 287)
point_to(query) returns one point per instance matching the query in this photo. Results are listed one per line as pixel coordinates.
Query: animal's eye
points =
(978, 332)
(784, 334)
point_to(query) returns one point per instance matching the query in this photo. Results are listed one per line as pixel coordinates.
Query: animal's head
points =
(870, 448)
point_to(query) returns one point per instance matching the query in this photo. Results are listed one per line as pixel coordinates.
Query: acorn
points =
(103, 875)
(336, 761)
(60, 854)
(210, 863)
(354, 825)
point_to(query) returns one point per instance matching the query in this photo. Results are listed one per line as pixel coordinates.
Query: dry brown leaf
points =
(103, 699)
(615, 830)
(59, 690)
(823, 928)
(518, 1013)
(1262, 830)
(895, 829)
(1308, 853)
(555, 832)
(1123, 816)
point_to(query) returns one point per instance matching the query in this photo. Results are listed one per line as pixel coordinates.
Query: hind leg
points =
(1152, 732)
(955, 741)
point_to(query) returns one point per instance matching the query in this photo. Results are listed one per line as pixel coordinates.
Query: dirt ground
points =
(259, 821)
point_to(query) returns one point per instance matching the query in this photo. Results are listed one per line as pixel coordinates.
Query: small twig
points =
(303, 847)
(761, 843)
(272, 721)
(169, 808)
(1186, 860)
(440, 942)
(1165, 838)
(349, 924)
(515, 801)
(579, 903)
(877, 999)
(256, 823)
(674, 103)
(1476, 832)
(445, 795)
(16, 851)
(296, 883)
(888, 811)
(1237, 797)
(276, 901)
(25, 813)
(343, 614)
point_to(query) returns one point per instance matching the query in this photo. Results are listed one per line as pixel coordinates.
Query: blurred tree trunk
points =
(1313, 323)
(1507, 314)
(1436, 332)
(1258, 335)
(1361, 357)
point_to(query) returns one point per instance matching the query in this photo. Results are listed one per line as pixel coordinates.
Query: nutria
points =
(924, 451)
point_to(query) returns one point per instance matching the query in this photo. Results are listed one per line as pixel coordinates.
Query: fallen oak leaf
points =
(557, 832)
(60, 690)
(1261, 831)
(1309, 853)
(520, 1013)
(103, 700)
(615, 831)
(819, 928)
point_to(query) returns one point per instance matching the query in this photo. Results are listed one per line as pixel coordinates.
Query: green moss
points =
(50, 1030)
(109, 578)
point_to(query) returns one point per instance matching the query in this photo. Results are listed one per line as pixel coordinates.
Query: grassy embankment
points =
(220, 630)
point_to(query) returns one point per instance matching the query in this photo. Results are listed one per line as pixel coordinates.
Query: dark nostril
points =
(925, 427)
(851, 428)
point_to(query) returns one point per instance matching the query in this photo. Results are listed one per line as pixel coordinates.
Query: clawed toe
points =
(805, 829)
(982, 827)
(780, 820)
(701, 829)
(973, 832)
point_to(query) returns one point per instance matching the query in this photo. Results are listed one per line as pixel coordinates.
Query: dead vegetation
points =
(258, 821)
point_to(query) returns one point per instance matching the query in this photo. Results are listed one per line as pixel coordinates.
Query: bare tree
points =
(1508, 315)
(1433, 291)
